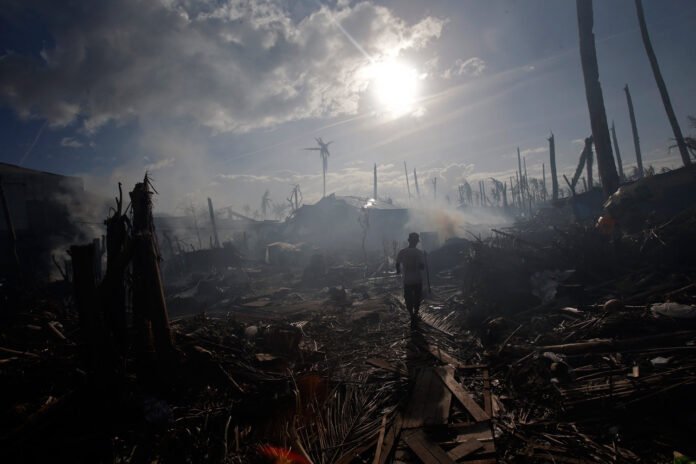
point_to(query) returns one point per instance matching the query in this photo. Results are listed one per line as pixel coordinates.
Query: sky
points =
(219, 98)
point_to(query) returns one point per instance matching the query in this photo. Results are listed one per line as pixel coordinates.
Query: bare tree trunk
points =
(374, 193)
(683, 151)
(113, 289)
(97, 348)
(617, 151)
(634, 128)
(149, 307)
(595, 100)
(543, 180)
(552, 162)
(216, 241)
(589, 162)
(521, 178)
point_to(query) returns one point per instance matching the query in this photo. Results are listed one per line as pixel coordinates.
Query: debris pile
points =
(549, 341)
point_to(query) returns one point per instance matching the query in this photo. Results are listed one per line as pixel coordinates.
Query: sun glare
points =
(395, 86)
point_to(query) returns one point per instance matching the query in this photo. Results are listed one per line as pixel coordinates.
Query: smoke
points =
(448, 222)
(78, 219)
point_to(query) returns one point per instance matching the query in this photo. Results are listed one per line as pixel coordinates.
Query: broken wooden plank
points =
(463, 396)
(380, 440)
(464, 449)
(426, 450)
(487, 402)
(390, 438)
(443, 356)
(12, 352)
(429, 403)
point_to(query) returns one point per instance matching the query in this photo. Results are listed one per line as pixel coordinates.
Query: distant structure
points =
(323, 150)
(43, 213)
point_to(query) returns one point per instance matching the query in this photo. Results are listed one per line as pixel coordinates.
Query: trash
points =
(660, 361)
(674, 310)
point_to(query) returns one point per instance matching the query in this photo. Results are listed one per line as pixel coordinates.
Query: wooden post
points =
(634, 129)
(408, 187)
(149, 307)
(595, 100)
(617, 151)
(552, 163)
(683, 151)
(216, 241)
(11, 231)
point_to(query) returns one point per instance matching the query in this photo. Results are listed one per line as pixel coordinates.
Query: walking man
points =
(413, 262)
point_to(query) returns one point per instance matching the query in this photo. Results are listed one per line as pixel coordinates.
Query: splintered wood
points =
(432, 428)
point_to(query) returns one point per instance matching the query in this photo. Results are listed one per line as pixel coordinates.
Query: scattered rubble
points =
(548, 341)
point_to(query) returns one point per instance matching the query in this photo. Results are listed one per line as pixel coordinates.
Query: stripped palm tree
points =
(323, 150)
(265, 203)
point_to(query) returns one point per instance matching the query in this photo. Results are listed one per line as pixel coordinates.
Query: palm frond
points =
(348, 419)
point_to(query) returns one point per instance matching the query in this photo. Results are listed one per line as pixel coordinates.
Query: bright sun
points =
(396, 87)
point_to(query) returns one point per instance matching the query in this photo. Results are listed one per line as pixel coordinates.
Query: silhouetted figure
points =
(413, 262)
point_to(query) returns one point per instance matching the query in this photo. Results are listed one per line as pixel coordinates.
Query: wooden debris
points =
(426, 450)
(464, 398)
(464, 449)
(429, 403)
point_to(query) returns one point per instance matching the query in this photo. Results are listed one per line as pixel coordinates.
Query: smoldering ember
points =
(350, 231)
